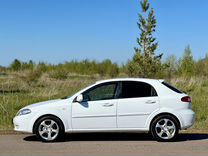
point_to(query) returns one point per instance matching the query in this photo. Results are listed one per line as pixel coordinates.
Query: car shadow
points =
(122, 137)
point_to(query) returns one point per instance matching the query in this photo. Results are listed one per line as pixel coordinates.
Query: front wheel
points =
(164, 128)
(49, 129)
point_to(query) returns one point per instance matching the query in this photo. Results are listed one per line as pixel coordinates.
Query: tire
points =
(164, 128)
(49, 129)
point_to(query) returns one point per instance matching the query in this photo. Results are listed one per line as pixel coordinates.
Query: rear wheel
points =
(49, 129)
(164, 128)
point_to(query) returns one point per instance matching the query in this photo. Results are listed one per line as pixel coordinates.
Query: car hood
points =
(43, 103)
(51, 103)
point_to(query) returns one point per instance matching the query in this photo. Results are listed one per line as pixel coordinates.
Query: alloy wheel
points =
(165, 129)
(48, 129)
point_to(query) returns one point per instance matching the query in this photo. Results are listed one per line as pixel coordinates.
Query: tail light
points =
(186, 99)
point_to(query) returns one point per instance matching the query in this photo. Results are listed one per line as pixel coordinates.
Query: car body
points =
(115, 105)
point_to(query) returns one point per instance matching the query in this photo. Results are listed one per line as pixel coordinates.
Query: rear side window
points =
(172, 88)
(133, 89)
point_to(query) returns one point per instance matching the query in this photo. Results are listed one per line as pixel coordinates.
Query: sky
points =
(55, 31)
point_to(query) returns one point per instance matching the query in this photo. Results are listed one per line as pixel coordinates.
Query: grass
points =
(17, 91)
(197, 88)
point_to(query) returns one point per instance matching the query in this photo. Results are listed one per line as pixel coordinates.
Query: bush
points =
(59, 74)
(31, 76)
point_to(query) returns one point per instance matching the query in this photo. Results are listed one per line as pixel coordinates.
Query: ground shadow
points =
(121, 137)
(193, 136)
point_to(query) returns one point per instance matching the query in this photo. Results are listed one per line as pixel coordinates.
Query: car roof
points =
(129, 79)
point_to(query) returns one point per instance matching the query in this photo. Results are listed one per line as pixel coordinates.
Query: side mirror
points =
(79, 98)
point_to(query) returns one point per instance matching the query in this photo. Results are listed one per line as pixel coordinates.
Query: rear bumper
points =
(187, 117)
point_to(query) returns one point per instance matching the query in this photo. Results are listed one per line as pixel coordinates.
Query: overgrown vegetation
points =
(23, 86)
(15, 93)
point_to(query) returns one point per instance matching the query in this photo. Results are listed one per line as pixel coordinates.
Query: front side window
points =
(133, 89)
(101, 92)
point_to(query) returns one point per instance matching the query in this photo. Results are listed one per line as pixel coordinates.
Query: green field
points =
(16, 92)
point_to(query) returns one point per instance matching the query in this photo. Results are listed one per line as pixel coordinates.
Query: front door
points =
(98, 109)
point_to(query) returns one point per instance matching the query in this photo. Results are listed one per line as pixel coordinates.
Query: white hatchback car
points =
(115, 105)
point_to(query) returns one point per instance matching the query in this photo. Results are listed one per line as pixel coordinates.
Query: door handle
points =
(108, 104)
(150, 102)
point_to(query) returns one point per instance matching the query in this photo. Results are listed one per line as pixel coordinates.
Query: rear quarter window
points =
(172, 88)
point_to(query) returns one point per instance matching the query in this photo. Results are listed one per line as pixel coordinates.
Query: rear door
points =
(137, 101)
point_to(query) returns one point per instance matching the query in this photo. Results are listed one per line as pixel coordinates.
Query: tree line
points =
(186, 66)
(84, 67)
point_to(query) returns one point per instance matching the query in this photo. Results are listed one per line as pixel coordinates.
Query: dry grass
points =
(197, 88)
(16, 92)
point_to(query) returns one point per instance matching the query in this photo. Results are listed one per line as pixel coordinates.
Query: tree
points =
(172, 66)
(42, 67)
(106, 67)
(144, 62)
(202, 66)
(28, 65)
(16, 65)
(187, 64)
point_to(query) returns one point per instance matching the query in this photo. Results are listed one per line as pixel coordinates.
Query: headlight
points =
(24, 112)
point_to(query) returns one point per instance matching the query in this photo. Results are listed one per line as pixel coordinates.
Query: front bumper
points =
(22, 123)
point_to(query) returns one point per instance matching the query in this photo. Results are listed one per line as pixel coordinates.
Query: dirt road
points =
(104, 144)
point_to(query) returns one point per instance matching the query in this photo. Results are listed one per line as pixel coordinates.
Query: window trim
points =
(120, 96)
(102, 84)
(172, 88)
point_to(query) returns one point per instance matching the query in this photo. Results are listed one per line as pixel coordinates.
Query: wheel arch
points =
(34, 125)
(166, 113)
